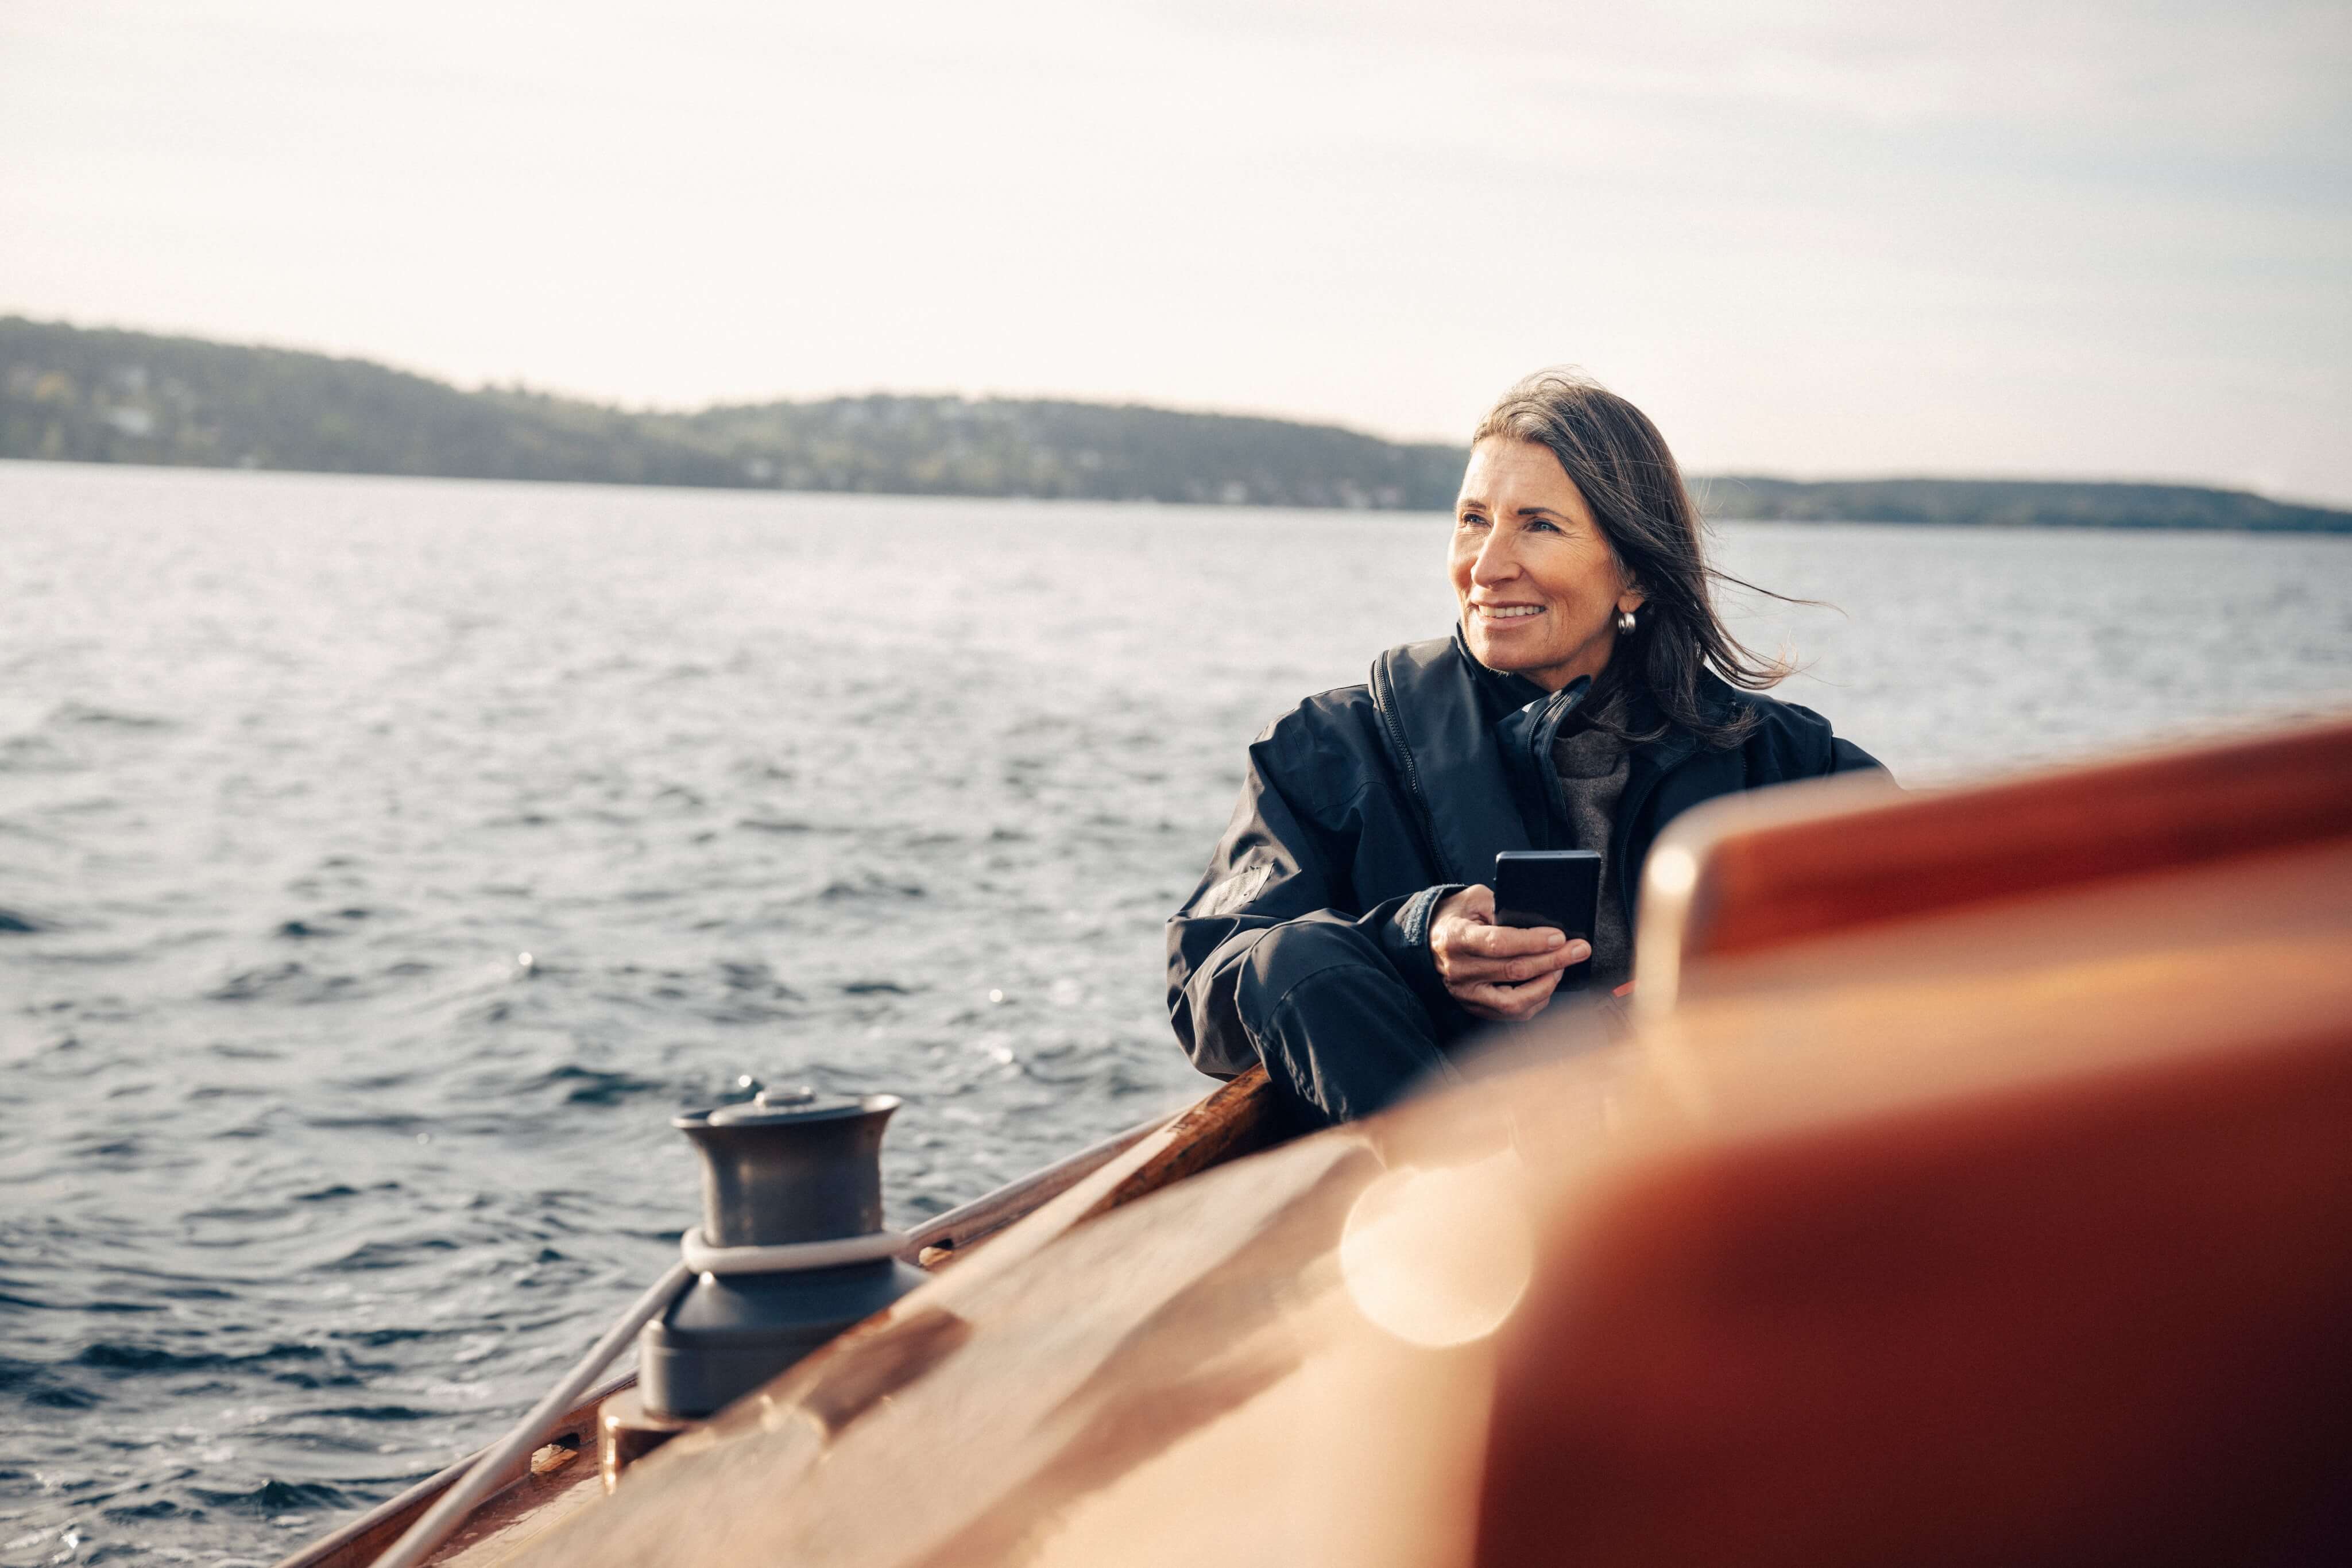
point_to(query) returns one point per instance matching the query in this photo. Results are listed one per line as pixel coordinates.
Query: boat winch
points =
(791, 1251)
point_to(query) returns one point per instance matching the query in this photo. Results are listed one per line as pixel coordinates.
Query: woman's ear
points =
(1629, 596)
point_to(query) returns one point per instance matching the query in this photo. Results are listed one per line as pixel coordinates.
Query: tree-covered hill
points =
(96, 396)
(131, 397)
(2012, 502)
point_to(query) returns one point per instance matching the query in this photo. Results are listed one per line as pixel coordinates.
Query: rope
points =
(792, 1257)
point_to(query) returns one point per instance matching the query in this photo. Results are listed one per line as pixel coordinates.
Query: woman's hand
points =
(1497, 972)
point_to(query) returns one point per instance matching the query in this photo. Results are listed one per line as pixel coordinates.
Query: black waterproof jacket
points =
(1367, 805)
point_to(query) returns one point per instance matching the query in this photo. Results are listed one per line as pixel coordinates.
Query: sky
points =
(1820, 238)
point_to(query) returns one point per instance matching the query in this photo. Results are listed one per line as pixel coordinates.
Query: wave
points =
(82, 715)
(290, 981)
(376, 1413)
(36, 754)
(869, 888)
(122, 1357)
(389, 1254)
(594, 1086)
(278, 1496)
(41, 1387)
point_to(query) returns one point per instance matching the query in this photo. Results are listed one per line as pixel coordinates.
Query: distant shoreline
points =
(1718, 519)
(71, 394)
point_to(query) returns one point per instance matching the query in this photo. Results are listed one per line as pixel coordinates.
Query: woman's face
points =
(1538, 586)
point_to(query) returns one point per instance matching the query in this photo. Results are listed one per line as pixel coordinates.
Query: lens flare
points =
(1439, 1257)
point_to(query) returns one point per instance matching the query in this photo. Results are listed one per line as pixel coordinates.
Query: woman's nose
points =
(1495, 562)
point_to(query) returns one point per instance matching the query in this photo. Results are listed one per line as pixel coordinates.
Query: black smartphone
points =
(1560, 888)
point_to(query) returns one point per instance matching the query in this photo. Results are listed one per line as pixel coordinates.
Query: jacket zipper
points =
(1395, 728)
(1539, 751)
(1621, 831)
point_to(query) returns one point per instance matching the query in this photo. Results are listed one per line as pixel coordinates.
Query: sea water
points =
(382, 862)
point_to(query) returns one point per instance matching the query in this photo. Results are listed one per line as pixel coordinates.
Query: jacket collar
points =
(1499, 692)
(1520, 705)
(1438, 707)
(1478, 740)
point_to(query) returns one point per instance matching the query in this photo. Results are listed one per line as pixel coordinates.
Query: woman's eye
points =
(1542, 525)
(1470, 521)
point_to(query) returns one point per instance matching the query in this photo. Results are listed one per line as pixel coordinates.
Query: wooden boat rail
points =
(939, 1240)
(361, 1541)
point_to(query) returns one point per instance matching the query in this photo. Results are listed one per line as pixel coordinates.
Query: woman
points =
(1344, 935)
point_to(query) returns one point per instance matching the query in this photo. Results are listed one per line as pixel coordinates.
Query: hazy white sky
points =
(2101, 238)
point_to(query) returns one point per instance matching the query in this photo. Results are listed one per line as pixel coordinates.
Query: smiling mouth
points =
(1507, 611)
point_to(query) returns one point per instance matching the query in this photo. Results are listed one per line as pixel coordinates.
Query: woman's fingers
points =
(1501, 952)
(1466, 940)
(1508, 1003)
(1512, 971)
(1505, 941)
(1495, 970)
(1474, 902)
(1457, 965)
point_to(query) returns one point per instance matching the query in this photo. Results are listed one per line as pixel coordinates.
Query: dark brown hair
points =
(1629, 482)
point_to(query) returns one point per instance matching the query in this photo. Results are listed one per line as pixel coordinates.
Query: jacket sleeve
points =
(1822, 751)
(1845, 757)
(1275, 866)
